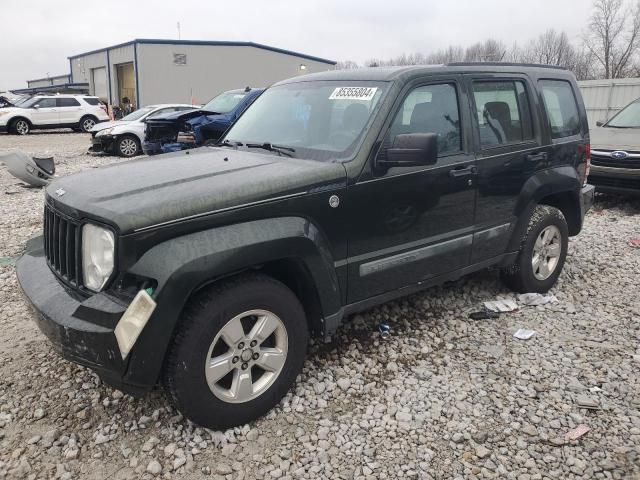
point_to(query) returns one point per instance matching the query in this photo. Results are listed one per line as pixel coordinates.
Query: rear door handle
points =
(463, 171)
(537, 157)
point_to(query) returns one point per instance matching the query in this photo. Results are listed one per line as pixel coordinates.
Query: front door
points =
(412, 223)
(45, 112)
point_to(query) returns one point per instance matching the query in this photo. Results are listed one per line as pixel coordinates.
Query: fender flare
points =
(545, 183)
(184, 264)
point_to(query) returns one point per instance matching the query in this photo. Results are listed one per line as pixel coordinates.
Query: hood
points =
(150, 191)
(608, 138)
(104, 125)
(184, 115)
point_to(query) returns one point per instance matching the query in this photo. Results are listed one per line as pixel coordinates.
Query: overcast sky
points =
(37, 36)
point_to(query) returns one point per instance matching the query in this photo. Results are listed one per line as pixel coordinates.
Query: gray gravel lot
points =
(442, 397)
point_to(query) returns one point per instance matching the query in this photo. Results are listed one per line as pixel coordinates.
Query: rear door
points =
(508, 151)
(69, 109)
(45, 112)
(408, 224)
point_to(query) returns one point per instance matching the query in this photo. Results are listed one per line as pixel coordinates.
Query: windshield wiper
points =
(228, 143)
(279, 149)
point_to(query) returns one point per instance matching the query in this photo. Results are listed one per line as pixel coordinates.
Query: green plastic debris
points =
(8, 260)
(149, 290)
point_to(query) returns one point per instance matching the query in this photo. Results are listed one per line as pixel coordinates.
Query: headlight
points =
(104, 132)
(97, 256)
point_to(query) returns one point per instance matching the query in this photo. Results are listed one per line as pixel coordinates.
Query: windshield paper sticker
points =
(353, 93)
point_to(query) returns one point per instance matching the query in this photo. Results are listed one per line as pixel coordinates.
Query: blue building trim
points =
(77, 87)
(153, 41)
(135, 67)
(109, 78)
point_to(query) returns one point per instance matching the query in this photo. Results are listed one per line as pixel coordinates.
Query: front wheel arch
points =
(15, 120)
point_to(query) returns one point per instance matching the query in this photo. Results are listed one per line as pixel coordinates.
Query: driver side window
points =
(430, 109)
(46, 103)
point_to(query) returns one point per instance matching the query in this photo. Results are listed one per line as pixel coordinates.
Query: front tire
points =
(238, 349)
(542, 253)
(21, 126)
(127, 146)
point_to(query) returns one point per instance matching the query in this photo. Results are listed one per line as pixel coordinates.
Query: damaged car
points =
(182, 130)
(124, 137)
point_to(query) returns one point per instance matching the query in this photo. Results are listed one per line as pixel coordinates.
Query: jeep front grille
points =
(62, 246)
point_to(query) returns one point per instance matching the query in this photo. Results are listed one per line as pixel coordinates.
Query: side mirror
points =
(599, 123)
(412, 149)
(36, 107)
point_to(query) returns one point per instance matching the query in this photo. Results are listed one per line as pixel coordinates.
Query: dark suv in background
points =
(207, 270)
(182, 130)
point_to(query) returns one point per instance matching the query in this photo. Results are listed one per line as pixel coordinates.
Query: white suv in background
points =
(79, 112)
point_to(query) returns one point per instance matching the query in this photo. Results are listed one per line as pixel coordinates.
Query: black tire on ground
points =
(20, 126)
(205, 315)
(87, 122)
(128, 146)
(520, 276)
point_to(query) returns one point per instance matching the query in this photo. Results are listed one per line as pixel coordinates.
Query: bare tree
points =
(347, 65)
(490, 50)
(614, 36)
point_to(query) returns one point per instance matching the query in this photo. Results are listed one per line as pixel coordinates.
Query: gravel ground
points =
(442, 397)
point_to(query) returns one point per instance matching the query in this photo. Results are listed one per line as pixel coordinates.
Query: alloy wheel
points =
(88, 124)
(246, 356)
(546, 252)
(22, 127)
(128, 147)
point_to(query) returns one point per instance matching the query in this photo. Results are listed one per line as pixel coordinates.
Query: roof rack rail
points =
(504, 64)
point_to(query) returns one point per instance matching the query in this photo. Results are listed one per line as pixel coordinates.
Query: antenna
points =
(178, 25)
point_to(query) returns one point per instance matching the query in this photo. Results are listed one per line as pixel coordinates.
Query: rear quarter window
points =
(91, 101)
(561, 107)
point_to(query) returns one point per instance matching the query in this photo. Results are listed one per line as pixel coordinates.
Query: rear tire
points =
(128, 146)
(87, 123)
(542, 253)
(220, 328)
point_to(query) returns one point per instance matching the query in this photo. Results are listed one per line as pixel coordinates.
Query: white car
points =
(79, 112)
(124, 137)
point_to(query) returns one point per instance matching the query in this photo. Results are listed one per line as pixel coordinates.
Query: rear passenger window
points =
(561, 107)
(503, 111)
(68, 102)
(430, 109)
(91, 101)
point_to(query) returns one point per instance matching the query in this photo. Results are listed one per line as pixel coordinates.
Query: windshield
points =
(319, 120)
(628, 117)
(225, 102)
(141, 112)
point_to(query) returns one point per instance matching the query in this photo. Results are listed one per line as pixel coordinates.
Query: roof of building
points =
(155, 41)
(52, 77)
(73, 87)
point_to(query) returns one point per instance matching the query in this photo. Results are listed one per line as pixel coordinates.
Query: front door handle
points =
(537, 157)
(463, 171)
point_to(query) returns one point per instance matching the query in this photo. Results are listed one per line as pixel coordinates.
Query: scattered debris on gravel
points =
(431, 395)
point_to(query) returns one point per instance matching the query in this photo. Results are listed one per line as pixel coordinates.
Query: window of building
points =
(561, 107)
(504, 115)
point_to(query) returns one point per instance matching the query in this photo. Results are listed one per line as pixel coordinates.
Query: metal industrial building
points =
(147, 71)
(604, 98)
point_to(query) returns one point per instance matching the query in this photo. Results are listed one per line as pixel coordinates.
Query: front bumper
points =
(103, 143)
(80, 328)
(615, 180)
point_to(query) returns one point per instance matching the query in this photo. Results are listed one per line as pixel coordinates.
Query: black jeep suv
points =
(208, 269)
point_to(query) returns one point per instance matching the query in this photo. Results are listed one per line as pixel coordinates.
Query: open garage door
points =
(99, 82)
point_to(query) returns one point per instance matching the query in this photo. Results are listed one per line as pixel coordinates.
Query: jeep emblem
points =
(334, 201)
(60, 192)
